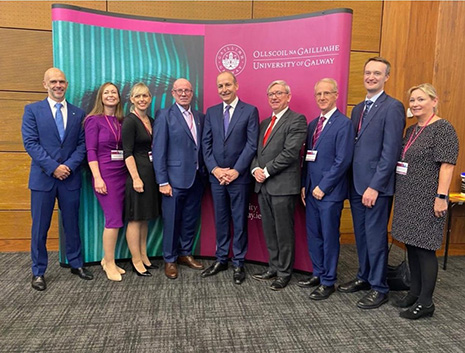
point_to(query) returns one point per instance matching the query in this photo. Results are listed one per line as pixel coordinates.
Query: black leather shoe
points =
(406, 301)
(38, 283)
(264, 276)
(417, 311)
(83, 273)
(152, 266)
(353, 286)
(238, 275)
(372, 300)
(322, 292)
(214, 269)
(280, 283)
(310, 282)
(140, 274)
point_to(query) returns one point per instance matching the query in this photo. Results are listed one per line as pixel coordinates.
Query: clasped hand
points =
(225, 175)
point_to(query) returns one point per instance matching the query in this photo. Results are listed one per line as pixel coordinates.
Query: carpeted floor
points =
(192, 314)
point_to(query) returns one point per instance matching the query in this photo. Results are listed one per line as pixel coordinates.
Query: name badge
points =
(116, 155)
(311, 155)
(150, 156)
(401, 168)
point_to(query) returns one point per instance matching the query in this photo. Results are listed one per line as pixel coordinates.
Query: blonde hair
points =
(138, 88)
(282, 83)
(98, 108)
(330, 81)
(428, 89)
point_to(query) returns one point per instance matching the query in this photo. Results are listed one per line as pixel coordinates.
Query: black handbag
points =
(398, 277)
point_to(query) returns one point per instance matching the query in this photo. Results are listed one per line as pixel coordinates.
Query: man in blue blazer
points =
(379, 122)
(329, 150)
(54, 138)
(229, 143)
(178, 164)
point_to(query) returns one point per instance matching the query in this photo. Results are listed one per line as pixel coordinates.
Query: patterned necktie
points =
(318, 130)
(59, 121)
(226, 118)
(368, 104)
(190, 123)
(268, 132)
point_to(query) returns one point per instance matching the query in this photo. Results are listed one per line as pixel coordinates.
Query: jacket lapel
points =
(180, 119)
(48, 119)
(328, 126)
(277, 126)
(234, 119)
(374, 109)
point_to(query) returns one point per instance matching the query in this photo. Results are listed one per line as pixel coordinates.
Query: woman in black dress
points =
(423, 177)
(142, 198)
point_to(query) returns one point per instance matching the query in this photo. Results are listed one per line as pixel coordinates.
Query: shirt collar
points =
(329, 114)
(233, 103)
(375, 97)
(52, 103)
(281, 113)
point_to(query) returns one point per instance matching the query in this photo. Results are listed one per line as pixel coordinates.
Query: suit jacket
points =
(42, 142)
(176, 156)
(281, 154)
(238, 147)
(378, 145)
(335, 148)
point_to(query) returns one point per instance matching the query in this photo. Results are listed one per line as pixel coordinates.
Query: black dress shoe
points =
(264, 276)
(310, 282)
(280, 283)
(83, 273)
(214, 269)
(140, 274)
(417, 311)
(405, 302)
(353, 286)
(152, 266)
(38, 283)
(322, 292)
(372, 300)
(238, 275)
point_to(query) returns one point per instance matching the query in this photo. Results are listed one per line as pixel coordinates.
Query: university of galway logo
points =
(231, 57)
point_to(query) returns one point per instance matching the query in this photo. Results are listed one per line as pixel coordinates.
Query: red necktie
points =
(319, 128)
(268, 131)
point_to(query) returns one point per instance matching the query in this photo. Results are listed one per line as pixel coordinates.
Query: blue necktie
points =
(59, 121)
(368, 104)
(226, 119)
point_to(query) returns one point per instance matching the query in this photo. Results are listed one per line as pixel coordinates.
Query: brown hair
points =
(380, 60)
(98, 108)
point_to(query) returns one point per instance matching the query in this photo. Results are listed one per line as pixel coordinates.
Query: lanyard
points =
(413, 137)
(115, 130)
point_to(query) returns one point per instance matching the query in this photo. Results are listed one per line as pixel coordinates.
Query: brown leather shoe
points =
(171, 270)
(189, 261)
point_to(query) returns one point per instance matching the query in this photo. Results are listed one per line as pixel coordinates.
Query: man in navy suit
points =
(178, 164)
(229, 143)
(54, 138)
(276, 169)
(379, 122)
(330, 146)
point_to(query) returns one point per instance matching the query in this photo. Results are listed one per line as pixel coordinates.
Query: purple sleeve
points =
(92, 130)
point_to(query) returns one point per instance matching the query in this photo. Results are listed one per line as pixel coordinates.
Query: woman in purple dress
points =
(109, 173)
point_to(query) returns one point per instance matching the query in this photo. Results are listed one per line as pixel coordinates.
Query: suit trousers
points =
(323, 219)
(42, 203)
(181, 218)
(370, 227)
(231, 202)
(278, 228)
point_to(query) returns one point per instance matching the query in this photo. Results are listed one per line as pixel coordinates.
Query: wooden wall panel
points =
(23, 65)
(366, 27)
(14, 169)
(449, 75)
(16, 225)
(36, 14)
(195, 10)
(13, 245)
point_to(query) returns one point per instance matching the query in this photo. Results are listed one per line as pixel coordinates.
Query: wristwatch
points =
(442, 196)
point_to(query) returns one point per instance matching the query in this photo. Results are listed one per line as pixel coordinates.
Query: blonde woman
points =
(142, 197)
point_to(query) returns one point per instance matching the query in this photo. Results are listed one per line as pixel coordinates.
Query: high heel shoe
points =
(111, 276)
(151, 266)
(120, 270)
(141, 274)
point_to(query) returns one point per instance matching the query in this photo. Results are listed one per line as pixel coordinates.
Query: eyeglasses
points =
(180, 91)
(323, 94)
(277, 94)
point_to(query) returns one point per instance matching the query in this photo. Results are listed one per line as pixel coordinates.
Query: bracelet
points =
(442, 196)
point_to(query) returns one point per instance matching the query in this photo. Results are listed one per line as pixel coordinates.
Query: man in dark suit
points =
(229, 143)
(276, 169)
(54, 138)
(178, 164)
(379, 122)
(329, 150)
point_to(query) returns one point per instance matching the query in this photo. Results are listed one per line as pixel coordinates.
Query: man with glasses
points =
(329, 150)
(229, 143)
(179, 170)
(276, 169)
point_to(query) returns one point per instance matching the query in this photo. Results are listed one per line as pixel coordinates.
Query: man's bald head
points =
(55, 83)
